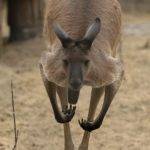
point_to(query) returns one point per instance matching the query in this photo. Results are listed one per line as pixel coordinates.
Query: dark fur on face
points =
(76, 65)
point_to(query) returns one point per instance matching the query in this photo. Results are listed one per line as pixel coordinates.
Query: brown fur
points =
(75, 16)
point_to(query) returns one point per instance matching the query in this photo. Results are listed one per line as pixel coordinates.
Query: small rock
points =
(147, 45)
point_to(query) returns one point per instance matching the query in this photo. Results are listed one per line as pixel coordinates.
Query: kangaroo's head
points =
(76, 61)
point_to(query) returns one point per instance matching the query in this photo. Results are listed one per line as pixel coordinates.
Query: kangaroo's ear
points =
(93, 30)
(91, 34)
(62, 35)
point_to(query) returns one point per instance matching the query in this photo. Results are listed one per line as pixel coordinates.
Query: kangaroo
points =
(84, 43)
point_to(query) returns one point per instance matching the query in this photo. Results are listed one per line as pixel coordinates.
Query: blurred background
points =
(127, 124)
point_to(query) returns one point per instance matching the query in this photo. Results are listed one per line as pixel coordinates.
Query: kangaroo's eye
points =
(65, 62)
(86, 63)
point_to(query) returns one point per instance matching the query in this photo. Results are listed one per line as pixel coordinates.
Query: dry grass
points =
(127, 125)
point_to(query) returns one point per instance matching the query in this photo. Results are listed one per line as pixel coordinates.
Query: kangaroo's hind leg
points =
(95, 97)
(63, 95)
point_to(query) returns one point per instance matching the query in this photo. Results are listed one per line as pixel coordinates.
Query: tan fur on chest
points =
(75, 16)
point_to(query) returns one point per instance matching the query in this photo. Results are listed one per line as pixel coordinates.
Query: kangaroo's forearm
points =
(51, 91)
(60, 116)
(110, 92)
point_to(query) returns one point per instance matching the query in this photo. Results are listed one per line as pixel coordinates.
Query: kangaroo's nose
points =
(75, 84)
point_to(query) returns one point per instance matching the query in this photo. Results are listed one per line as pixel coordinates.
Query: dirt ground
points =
(127, 124)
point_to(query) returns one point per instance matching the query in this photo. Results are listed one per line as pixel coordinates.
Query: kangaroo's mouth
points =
(75, 88)
(75, 85)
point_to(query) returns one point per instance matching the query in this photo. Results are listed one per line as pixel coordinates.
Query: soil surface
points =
(127, 124)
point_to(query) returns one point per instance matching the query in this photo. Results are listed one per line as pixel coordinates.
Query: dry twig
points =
(16, 132)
